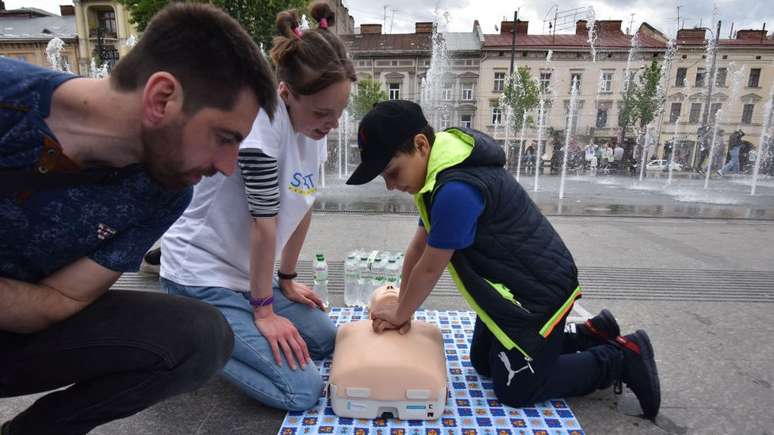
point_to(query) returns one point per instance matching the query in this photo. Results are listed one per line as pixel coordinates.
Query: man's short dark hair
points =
(207, 51)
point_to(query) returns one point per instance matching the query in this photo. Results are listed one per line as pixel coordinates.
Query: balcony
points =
(93, 34)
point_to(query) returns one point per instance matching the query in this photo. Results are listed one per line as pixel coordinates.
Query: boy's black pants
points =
(563, 367)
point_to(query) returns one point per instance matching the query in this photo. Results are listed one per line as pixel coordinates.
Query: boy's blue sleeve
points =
(454, 216)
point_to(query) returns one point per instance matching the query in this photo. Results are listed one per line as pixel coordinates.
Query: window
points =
(606, 82)
(693, 117)
(747, 114)
(467, 91)
(107, 21)
(714, 108)
(700, 75)
(575, 77)
(674, 112)
(394, 91)
(720, 77)
(601, 117)
(755, 76)
(497, 115)
(682, 73)
(466, 120)
(448, 92)
(545, 81)
(499, 81)
(444, 122)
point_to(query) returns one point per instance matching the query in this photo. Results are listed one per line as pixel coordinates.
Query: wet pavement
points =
(603, 195)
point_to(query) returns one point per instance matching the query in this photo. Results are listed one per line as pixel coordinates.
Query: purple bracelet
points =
(261, 302)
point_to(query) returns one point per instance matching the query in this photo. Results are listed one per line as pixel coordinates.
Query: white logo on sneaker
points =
(507, 363)
(104, 232)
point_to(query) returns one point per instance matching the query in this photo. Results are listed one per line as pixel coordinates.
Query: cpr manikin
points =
(388, 373)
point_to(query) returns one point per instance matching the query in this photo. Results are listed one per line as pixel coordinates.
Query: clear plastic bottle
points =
(321, 278)
(351, 274)
(363, 281)
(392, 273)
(377, 276)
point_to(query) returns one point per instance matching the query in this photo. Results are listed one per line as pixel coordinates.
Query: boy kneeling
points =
(506, 259)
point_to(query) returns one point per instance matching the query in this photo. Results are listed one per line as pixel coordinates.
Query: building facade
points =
(400, 63)
(748, 58)
(103, 31)
(600, 79)
(26, 32)
(345, 24)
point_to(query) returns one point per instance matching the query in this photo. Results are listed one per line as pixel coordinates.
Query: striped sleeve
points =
(260, 174)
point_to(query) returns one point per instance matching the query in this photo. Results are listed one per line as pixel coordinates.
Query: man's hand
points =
(301, 293)
(283, 335)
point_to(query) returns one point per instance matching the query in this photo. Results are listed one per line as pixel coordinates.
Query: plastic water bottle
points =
(392, 273)
(363, 281)
(351, 274)
(399, 262)
(377, 275)
(321, 278)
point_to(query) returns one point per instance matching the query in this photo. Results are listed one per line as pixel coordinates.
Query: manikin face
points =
(315, 115)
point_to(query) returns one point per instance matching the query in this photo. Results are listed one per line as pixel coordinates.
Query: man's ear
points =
(422, 144)
(162, 98)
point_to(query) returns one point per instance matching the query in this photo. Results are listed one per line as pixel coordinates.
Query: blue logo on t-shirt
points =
(302, 184)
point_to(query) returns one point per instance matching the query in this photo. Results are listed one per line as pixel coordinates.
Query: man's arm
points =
(32, 307)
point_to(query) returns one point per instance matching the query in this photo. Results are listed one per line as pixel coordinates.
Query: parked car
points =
(662, 165)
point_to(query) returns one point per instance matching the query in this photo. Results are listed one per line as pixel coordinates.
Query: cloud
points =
(660, 13)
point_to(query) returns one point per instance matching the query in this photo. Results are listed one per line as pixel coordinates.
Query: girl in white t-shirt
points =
(222, 250)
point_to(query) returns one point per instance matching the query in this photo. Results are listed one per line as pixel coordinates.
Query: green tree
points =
(647, 99)
(521, 94)
(141, 11)
(641, 100)
(258, 17)
(369, 92)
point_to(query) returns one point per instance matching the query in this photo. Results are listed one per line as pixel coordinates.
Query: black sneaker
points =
(602, 327)
(151, 263)
(5, 429)
(639, 372)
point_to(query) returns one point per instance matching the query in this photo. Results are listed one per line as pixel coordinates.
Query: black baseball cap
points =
(388, 125)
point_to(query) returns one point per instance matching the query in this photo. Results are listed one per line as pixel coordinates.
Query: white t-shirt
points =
(209, 245)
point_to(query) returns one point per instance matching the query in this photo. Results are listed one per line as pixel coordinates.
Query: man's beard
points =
(162, 157)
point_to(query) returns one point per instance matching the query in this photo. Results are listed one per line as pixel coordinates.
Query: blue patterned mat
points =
(471, 408)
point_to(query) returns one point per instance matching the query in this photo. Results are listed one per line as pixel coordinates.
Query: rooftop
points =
(46, 27)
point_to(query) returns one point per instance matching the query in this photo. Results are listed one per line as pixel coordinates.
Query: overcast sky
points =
(401, 14)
